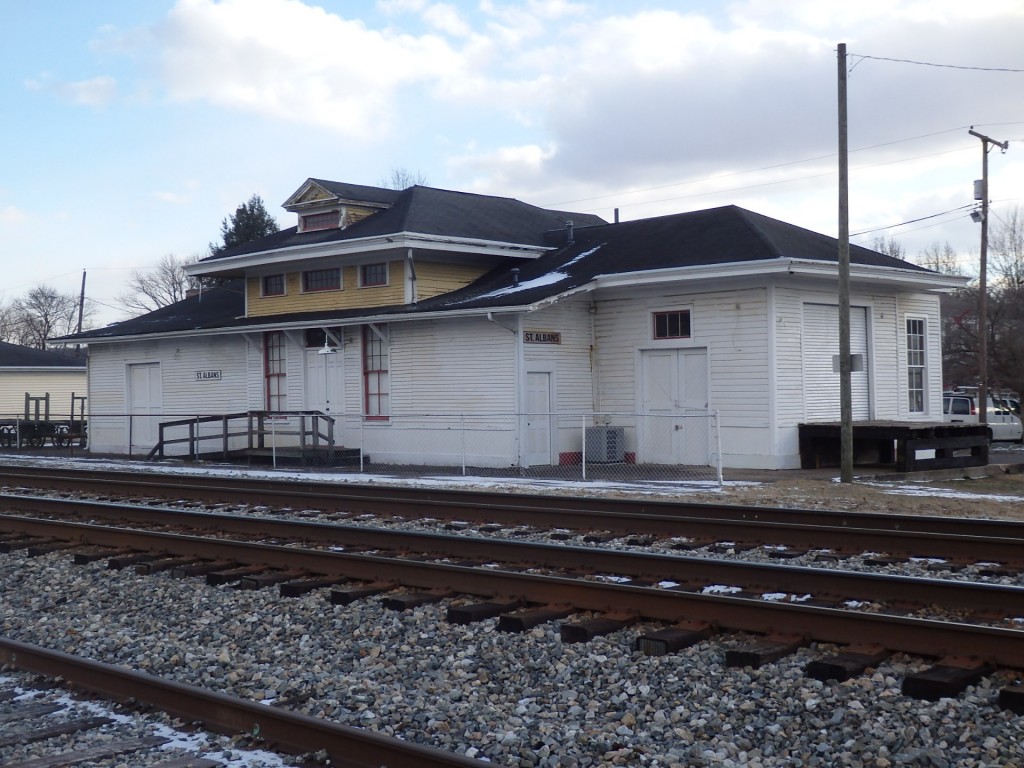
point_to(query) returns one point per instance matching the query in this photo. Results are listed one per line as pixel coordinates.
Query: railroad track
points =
(27, 723)
(524, 583)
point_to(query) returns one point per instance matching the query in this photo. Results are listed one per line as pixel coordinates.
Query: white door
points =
(820, 355)
(145, 398)
(674, 428)
(325, 382)
(538, 419)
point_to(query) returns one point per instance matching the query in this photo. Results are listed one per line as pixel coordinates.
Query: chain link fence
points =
(583, 446)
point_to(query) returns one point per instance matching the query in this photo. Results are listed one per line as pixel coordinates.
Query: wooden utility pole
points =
(845, 383)
(81, 303)
(983, 277)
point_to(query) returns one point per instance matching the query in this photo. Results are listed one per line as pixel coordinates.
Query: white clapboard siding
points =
(732, 326)
(821, 347)
(570, 360)
(888, 381)
(927, 307)
(59, 383)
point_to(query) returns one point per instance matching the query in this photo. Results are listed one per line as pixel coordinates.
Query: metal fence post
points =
(362, 447)
(583, 445)
(718, 446)
(273, 444)
(462, 436)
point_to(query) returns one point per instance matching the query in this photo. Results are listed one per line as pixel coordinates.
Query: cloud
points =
(11, 215)
(97, 92)
(290, 61)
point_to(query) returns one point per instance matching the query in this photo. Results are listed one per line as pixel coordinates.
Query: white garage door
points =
(821, 350)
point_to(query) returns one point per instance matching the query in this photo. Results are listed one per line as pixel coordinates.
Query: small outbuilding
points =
(39, 383)
(428, 326)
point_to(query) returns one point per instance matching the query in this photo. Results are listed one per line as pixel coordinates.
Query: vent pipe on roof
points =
(515, 276)
(568, 233)
(616, 215)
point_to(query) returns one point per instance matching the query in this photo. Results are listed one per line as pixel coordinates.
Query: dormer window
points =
(314, 221)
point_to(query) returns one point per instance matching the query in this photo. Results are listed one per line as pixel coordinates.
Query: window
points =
(376, 384)
(915, 365)
(312, 221)
(321, 280)
(672, 325)
(273, 285)
(274, 370)
(373, 274)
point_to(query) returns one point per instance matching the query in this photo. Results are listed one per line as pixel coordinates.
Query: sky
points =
(132, 128)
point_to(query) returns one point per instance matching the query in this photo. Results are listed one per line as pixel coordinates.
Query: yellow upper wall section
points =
(432, 279)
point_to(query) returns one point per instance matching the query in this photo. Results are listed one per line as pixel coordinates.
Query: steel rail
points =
(962, 548)
(897, 633)
(286, 731)
(516, 508)
(692, 571)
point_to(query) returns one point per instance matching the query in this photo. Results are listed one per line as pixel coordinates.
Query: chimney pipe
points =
(616, 215)
(515, 276)
(568, 233)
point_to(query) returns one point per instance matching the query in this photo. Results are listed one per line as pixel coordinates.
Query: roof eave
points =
(296, 253)
(925, 281)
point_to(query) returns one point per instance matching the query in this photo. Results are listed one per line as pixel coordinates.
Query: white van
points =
(962, 408)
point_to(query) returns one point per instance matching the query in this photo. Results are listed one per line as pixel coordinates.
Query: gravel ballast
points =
(518, 700)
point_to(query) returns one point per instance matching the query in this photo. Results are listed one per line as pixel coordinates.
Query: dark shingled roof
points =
(431, 211)
(16, 356)
(726, 235)
(718, 236)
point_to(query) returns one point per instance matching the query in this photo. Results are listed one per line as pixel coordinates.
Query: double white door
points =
(674, 425)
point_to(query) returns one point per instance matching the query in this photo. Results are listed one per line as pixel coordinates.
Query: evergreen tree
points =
(251, 221)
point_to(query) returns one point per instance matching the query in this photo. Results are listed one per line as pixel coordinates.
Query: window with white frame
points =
(915, 364)
(376, 376)
(671, 325)
(274, 370)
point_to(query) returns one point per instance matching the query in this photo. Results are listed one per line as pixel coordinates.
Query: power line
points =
(703, 179)
(912, 221)
(931, 64)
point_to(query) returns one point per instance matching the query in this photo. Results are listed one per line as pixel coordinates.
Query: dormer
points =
(322, 205)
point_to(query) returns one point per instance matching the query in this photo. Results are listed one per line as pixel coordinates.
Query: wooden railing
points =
(315, 431)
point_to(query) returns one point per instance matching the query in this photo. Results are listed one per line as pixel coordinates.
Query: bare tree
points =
(890, 247)
(403, 178)
(164, 284)
(941, 258)
(43, 313)
(1006, 247)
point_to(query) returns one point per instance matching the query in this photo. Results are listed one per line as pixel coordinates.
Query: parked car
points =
(962, 408)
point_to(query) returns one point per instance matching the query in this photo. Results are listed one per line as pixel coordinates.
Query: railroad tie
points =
(1012, 698)
(349, 595)
(522, 621)
(189, 762)
(300, 587)
(587, 630)
(765, 651)
(54, 546)
(126, 561)
(415, 599)
(100, 553)
(111, 749)
(662, 642)
(53, 731)
(851, 662)
(270, 579)
(201, 568)
(474, 612)
(232, 575)
(946, 679)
